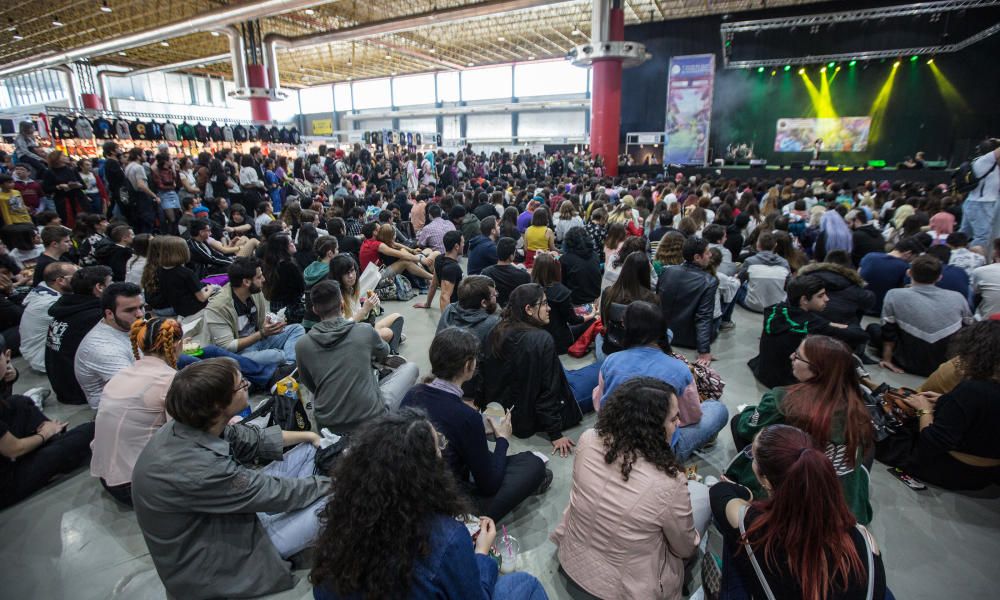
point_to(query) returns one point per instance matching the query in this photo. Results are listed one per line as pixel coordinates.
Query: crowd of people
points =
(182, 285)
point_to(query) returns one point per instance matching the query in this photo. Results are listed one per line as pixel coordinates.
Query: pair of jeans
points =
(714, 416)
(978, 220)
(583, 381)
(293, 532)
(519, 586)
(276, 349)
(257, 373)
(395, 385)
(522, 476)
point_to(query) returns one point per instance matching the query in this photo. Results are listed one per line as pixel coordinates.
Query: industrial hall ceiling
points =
(32, 29)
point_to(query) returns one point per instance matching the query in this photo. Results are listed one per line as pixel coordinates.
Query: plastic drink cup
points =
(509, 551)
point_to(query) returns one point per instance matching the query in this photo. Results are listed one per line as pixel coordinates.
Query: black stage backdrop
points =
(920, 114)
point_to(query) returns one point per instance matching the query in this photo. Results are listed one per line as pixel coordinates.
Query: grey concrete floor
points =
(71, 540)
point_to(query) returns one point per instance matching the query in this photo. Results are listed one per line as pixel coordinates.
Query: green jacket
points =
(853, 479)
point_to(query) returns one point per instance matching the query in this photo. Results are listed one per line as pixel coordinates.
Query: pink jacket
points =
(625, 539)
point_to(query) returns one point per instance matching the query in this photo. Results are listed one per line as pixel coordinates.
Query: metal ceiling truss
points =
(873, 55)
(887, 12)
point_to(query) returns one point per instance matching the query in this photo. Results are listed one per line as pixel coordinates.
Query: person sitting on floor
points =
(476, 311)
(106, 348)
(34, 448)
(687, 299)
(249, 521)
(496, 482)
(957, 446)
(646, 354)
(116, 251)
(368, 309)
(505, 274)
(73, 316)
(825, 402)
(565, 324)
(764, 275)
(919, 321)
(483, 247)
(788, 323)
(633, 516)
(35, 319)
(581, 267)
(237, 318)
(523, 374)
(847, 298)
(396, 535)
(205, 260)
(821, 552)
(132, 406)
(887, 271)
(336, 364)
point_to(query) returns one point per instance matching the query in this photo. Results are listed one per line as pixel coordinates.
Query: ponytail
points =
(806, 516)
(156, 336)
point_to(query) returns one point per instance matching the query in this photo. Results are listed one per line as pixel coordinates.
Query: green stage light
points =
(914, 58)
(788, 68)
(830, 64)
(760, 69)
(852, 63)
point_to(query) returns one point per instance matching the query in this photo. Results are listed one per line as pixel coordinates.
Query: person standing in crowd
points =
(63, 183)
(633, 516)
(142, 199)
(335, 364)
(250, 521)
(687, 299)
(35, 320)
(495, 481)
(370, 544)
(787, 552)
(523, 374)
(34, 448)
(979, 211)
(27, 150)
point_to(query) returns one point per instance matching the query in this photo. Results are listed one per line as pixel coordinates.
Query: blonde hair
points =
(174, 251)
(156, 336)
(567, 210)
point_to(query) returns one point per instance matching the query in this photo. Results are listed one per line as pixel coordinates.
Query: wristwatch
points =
(923, 411)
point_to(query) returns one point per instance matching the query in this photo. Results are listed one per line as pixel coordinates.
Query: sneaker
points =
(727, 325)
(395, 361)
(545, 482)
(38, 395)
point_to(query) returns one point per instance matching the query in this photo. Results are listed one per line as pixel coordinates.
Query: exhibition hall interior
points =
(499, 299)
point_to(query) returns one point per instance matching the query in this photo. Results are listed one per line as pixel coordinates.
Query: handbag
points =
(708, 381)
(894, 403)
(581, 346)
(614, 324)
(711, 574)
(284, 407)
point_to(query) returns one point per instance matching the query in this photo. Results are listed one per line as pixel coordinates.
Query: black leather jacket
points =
(687, 298)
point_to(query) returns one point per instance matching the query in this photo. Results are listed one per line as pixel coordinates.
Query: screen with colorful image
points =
(845, 134)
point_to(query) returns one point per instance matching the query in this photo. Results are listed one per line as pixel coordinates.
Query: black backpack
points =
(964, 179)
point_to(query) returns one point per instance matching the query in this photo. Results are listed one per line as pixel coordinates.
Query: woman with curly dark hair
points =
(957, 446)
(397, 533)
(633, 517)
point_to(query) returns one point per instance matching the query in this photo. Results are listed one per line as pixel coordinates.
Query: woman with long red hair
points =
(802, 540)
(825, 403)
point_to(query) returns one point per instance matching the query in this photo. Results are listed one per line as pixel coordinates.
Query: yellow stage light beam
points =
(951, 96)
(814, 97)
(879, 107)
(825, 109)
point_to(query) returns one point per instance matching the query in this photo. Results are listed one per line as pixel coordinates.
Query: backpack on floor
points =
(404, 289)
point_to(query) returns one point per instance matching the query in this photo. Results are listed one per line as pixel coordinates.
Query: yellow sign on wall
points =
(322, 126)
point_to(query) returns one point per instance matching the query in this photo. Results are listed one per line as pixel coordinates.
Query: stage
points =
(774, 173)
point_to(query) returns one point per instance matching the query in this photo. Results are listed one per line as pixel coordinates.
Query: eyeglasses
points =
(244, 384)
(798, 357)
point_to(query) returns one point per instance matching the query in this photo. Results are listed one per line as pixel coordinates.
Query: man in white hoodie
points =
(36, 318)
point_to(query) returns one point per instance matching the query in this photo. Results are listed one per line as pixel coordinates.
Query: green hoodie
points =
(313, 274)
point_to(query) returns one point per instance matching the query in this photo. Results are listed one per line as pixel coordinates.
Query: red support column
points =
(606, 100)
(260, 108)
(92, 101)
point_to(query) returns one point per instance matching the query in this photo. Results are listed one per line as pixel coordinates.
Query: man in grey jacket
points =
(764, 276)
(336, 364)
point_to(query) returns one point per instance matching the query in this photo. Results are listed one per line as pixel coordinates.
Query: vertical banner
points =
(690, 83)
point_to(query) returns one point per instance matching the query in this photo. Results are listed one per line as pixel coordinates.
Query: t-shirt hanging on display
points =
(284, 136)
(103, 130)
(154, 130)
(201, 133)
(263, 133)
(170, 132)
(275, 134)
(240, 133)
(123, 129)
(139, 131)
(215, 132)
(62, 128)
(227, 134)
(185, 131)
(84, 129)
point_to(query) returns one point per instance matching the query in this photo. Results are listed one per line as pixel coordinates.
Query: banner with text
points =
(845, 134)
(690, 83)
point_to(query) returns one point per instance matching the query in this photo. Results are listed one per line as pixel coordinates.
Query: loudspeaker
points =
(757, 162)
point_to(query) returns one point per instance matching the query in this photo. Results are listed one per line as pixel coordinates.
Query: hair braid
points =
(165, 334)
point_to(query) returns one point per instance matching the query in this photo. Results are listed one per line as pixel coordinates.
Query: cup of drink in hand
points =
(509, 551)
